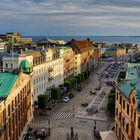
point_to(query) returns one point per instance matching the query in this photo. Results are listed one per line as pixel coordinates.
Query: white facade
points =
(14, 62)
(2, 45)
(77, 64)
(45, 75)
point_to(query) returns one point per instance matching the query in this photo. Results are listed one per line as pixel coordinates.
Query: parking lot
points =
(110, 71)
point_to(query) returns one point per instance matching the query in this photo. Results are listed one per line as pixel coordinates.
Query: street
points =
(66, 115)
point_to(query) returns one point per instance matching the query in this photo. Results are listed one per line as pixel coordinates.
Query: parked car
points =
(79, 88)
(66, 99)
(71, 95)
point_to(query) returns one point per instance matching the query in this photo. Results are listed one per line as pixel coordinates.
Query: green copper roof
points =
(126, 87)
(24, 64)
(7, 81)
(132, 71)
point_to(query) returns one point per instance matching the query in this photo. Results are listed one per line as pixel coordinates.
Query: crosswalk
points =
(60, 115)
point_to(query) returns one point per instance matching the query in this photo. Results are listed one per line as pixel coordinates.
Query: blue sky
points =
(70, 17)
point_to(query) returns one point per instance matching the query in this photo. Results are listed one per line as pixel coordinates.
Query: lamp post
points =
(99, 78)
(49, 128)
(73, 111)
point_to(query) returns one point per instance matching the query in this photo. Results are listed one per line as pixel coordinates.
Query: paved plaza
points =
(73, 114)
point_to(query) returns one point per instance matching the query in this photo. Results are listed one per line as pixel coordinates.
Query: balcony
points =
(50, 69)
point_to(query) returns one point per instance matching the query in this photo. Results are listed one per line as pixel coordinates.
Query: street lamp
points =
(49, 128)
(73, 111)
(99, 78)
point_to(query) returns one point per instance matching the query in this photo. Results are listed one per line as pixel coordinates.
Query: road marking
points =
(60, 115)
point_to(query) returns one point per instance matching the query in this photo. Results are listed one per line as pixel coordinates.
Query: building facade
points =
(113, 51)
(86, 49)
(47, 68)
(68, 56)
(16, 112)
(127, 110)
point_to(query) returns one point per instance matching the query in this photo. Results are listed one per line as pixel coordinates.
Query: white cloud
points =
(83, 13)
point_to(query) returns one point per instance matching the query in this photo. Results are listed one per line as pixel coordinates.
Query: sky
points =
(70, 17)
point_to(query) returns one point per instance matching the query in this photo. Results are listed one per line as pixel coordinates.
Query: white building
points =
(2, 46)
(47, 68)
(77, 64)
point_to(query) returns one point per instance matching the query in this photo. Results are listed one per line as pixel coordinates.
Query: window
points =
(123, 104)
(6, 65)
(11, 65)
(133, 100)
(123, 122)
(117, 96)
(120, 99)
(127, 109)
(116, 111)
(127, 127)
(139, 122)
(134, 116)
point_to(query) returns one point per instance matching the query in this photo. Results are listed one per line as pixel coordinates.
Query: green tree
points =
(43, 101)
(82, 77)
(122, 75)
(113, 90)
(111, 105)
(78, 79)
(73, 82)
(68, 85)
(111, 96)
(55, 93)
(85, 75)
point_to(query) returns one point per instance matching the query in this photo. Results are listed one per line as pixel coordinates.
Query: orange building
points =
(127, 110)
(15, 105)
(86, 49)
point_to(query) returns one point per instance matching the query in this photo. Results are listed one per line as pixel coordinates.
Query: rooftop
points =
(7, 81)
(83, 44)
(133, 71)
(126, 87)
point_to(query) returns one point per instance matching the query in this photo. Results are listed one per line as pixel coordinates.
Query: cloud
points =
(69, 16)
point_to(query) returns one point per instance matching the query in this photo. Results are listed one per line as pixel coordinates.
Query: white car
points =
(66, 99)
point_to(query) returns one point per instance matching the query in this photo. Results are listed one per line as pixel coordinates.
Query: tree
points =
(113, 90)
(111, 96)
(43, 101)
(122, 75)
(68, 85)
(82, 77)
(85, 75)
(78, 79)
(55, 93)
(111, 105)
(73, 82)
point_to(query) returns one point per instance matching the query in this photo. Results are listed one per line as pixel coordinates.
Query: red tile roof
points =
(83, 45)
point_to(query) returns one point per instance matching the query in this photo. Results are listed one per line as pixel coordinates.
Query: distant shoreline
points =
(107, 39)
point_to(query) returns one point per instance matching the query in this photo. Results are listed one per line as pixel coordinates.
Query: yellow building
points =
(110, 52)
(23, 40)
(68, 56)
(127, 108)
(16, 38)
(15, 105)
